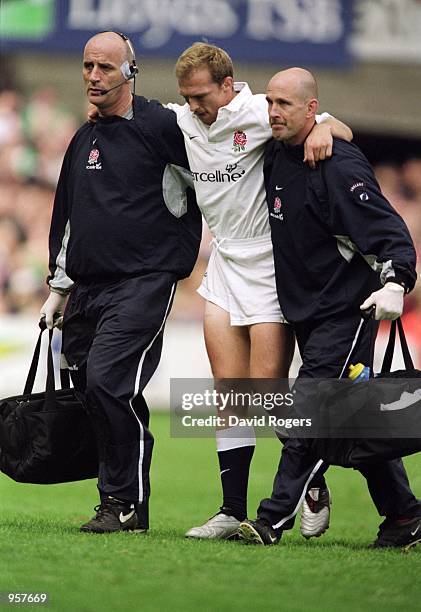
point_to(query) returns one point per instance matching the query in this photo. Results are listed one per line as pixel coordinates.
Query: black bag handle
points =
(30, 380)
(390, 348)
(50, 382)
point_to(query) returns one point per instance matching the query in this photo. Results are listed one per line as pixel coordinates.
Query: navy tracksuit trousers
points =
(112, 341)
(324, 347)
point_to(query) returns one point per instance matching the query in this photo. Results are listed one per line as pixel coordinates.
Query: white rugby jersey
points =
(226, 161)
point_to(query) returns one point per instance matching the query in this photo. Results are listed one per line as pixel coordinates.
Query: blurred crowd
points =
(34, 135)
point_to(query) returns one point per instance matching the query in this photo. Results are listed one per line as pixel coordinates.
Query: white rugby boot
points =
(315, 512)
(221, 526)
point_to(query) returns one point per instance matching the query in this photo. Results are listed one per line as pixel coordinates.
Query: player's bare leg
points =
(271, 350)
(228, 347)
(239, 352)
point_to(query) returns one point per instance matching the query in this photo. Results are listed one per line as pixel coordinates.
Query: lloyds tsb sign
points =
(298, 31)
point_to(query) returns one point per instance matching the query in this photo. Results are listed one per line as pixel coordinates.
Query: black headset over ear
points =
(131, 70)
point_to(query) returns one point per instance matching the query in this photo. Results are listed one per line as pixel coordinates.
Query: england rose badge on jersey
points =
(93, 156)
(240, 141)
(93, 160)
(277, 205)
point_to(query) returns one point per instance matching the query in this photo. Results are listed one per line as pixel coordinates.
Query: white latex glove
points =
(53, 305)
(388, 301)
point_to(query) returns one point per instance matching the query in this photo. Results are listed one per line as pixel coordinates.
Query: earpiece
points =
(129, 71)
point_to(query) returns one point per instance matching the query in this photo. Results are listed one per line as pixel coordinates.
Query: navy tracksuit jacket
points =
(122, 234)
(335, 239)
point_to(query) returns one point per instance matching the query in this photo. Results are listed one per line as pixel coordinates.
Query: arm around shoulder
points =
(338, 129)
(318, 145)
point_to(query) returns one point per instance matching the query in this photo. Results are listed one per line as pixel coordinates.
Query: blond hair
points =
(201, 55)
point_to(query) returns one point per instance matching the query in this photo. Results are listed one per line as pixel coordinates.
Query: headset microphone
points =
(105, 91)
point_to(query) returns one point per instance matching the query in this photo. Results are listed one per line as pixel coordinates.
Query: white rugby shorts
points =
(240, 278)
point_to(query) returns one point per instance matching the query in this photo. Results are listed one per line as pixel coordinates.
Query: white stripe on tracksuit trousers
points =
(319, 462)
(317, 466)
(136, 391)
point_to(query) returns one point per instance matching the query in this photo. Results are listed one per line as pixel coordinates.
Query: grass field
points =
(41, 549)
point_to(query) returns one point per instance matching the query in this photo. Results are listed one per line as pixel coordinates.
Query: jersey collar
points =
(243, 95)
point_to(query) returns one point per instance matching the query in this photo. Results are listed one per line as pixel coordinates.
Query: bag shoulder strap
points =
(390, 348)
(30, 380)
(50, 382)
